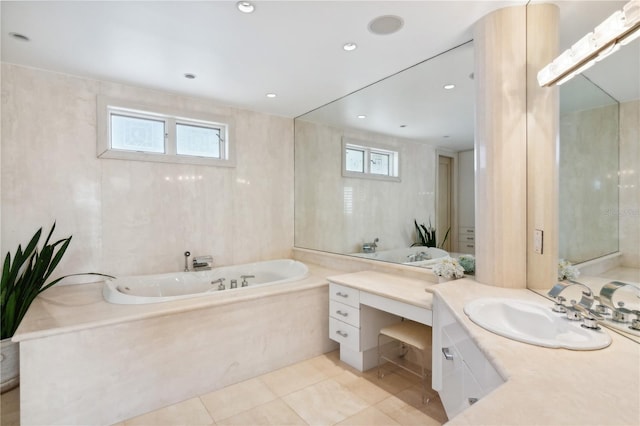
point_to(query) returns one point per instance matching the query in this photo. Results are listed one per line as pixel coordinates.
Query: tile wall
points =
(339, 214)
(132, 217)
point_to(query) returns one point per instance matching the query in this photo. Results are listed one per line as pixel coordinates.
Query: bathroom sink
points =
(534, 323)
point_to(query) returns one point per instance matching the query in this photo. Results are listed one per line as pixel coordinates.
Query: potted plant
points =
(23, 278)
(427, 235)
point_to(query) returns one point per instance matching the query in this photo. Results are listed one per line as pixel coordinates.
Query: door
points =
(443, 214)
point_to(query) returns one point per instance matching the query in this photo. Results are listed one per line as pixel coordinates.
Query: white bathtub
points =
(402, 255)
(142, 289)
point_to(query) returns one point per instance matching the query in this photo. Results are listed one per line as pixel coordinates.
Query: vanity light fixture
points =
(619, 29)
(449, 86)
(271, 95)
(245, 6)
(350, 46)
(20, 37)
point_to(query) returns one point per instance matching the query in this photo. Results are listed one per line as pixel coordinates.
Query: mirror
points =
(599, 175)
(409, 113)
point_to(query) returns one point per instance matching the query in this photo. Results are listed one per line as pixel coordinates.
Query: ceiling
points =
(294, 49)
(291, 48)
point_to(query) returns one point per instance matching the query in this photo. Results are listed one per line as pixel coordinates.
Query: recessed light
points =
(362, 116)
(349, 46)
(385, 25)
(245, 6)
(271, 95)
(449, 86)
(19, 36)
(189, 76)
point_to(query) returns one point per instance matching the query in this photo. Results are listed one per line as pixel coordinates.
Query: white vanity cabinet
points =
(461, 372)
(358, 343)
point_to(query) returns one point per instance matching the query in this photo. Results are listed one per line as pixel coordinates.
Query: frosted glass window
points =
(379, 164)
(355, 160)
(370, 160)
(137, 134)
(198, 141)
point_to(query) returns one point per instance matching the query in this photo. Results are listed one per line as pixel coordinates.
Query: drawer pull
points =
(447, 354)
(470, 238)
(469, 245)
(473, 401)
(344, 314)
(342, 333)
(341, 294)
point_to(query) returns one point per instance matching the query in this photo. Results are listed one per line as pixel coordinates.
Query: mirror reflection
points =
(600, 186)
(366, 210)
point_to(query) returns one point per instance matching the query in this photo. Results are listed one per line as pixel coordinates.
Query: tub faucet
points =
(186, 260)
(220, 282)
(370, 247)
(202, 263)
(244, 279)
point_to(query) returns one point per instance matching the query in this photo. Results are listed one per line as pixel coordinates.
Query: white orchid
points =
(566, 271)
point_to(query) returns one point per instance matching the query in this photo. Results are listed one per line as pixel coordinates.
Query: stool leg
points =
(379, 359)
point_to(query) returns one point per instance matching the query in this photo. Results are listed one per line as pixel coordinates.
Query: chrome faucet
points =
(220, 282)
(202, 263)
(370, 247)
(577, 310)
(619, 313)
(186, 260)
(244, 279)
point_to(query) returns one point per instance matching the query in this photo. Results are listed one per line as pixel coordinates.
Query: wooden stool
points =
(415, 335)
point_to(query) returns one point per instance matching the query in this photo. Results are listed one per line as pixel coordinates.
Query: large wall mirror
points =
(599, 173)
(414, 115)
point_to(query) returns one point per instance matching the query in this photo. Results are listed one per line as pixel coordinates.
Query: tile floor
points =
(318, 391)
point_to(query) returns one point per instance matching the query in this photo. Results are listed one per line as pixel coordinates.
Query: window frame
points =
(109, 106)
(368, 148)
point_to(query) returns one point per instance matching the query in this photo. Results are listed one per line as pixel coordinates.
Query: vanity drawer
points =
(467, 238)
(345, 334)
(466, 231)
(343, 294)
(466, 247)
(344, 313)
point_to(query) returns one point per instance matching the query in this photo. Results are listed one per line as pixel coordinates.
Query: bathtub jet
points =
(143, 289)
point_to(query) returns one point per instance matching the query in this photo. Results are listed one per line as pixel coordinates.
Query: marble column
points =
(510, 128)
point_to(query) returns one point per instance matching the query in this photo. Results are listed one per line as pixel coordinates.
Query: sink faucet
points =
(586, 300)
(620, 313)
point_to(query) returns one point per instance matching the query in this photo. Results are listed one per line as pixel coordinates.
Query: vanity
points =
(362, 303)
(481, 377)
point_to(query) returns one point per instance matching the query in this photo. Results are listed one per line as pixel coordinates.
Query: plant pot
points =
(9, 364)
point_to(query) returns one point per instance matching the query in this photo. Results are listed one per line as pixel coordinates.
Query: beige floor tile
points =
(369, 417)
(293, 378)
(363, 388)
(433, 409)
(391, 382)
(328, 364)
(237, 398)
(272, 413)
(10, 408)
(325, 403)
(190, 412)
(404, 413)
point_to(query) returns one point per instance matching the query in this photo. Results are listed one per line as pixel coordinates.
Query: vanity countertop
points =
(407, 290)
(548, 386)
